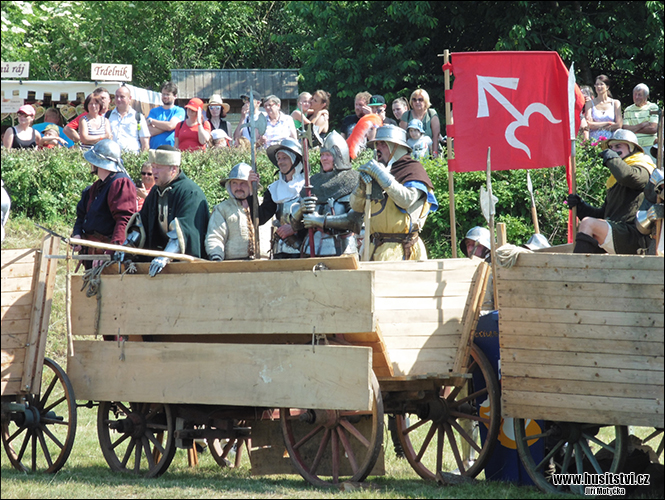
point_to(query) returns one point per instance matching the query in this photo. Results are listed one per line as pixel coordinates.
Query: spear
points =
(308, 188)
(534, 214)
(255, 194)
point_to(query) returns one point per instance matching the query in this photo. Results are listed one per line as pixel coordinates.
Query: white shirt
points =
(126, 131)
(283, 129)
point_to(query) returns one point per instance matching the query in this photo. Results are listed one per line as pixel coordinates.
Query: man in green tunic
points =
(174, 217)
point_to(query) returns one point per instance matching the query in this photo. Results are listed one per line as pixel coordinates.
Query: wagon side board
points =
(273, 303)
(420, 309)
(333, 377)
(28, 278)
(581, 338)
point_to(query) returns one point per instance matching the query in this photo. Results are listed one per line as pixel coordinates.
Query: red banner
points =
(514, 102)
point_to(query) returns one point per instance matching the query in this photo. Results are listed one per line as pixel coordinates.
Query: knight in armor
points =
(611, 228)
(174, 217)
(652, 211)
(328, 210)
(231, 231)
(108, 204)
(400, 205)
(281, 195)
(476, 243)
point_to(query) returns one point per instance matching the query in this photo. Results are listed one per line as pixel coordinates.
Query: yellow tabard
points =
(387, 218)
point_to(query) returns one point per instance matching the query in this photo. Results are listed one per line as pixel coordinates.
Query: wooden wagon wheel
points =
(655, 440)
(347, 443)
(136, 437)
(450, 424)
(572, 448)
(40, 439)
(221, 448)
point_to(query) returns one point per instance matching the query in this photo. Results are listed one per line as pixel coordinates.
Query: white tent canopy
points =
(17, 88)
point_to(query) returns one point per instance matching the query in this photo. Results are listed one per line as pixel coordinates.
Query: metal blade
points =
(529, 186)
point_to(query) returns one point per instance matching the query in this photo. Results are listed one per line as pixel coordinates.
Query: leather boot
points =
(586, 244)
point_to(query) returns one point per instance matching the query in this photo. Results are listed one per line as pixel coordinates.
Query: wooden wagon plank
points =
(14, 327)
(582, 374)
(20, 269)
(576, 401)
(618, 318)
(437, 317)
(533, 298)
(647, 276)
(582, 291)
(330, 301)
(408, 362)
(450, 305)
(344, 262)
(18, 256)
(12, 364)
(422, 284)
(635, 350)
(22, 298)
(605, 416)
(14, 340)
(421, 341)
(533, 329)
(573, 358)
(16, 284)
(334, 377)
(422, 265)
(575, 262)
(560, 386)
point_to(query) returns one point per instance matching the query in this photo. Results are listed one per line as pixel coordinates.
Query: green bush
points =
(46, 186)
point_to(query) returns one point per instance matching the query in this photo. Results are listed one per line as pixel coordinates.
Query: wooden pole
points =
(134, 251)
(501, 238)
(491, 221)
(449, 147)
(255, 185)
(573, 186)
(68, 304)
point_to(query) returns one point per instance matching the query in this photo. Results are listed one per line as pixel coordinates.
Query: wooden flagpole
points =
(449, 147)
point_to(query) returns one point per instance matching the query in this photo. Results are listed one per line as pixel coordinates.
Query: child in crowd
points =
(220, 139)
(419, 142)
(51, 138)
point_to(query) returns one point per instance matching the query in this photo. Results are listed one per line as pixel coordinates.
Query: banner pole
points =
(449, 147)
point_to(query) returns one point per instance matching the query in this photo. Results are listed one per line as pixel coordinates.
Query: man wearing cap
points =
(129, 128)
(242, 130)
(108, 204)
(163, 119)
(377, 104)
(399, 212)
(611, 228)
(174, 217)
(231, 232)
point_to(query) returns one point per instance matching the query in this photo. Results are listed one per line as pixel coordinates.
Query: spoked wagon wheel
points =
(329, 447)
(136, 437)
(572, 448)
(450, 424)
(40, 438)
(220, 450)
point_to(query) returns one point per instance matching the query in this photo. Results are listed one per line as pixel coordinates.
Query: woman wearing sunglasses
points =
(421, 109)
(147, 181)
(23, 136)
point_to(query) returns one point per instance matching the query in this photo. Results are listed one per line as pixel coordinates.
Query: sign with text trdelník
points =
(111, 72)
(514, 102)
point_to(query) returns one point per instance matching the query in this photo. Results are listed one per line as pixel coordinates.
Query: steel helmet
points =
(537, 242)
(106, 154)
(481, 236)
(623, 135)
(337, 146)
(288, 145)
(240, 171)
(390, 133)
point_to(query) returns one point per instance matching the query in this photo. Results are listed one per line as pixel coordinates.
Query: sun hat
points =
(194, 104)
(216, 100)
(218, 133)
(27, 109)
(52, 126)
(417, 124)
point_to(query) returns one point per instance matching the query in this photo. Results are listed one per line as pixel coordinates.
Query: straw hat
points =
(216, 100)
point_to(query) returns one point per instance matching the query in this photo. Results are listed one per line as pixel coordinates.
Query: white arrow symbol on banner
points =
(486, 86)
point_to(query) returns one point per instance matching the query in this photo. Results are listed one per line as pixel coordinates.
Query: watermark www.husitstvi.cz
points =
(609, 484)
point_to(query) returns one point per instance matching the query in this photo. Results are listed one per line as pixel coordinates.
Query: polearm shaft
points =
(135, 251)
(255, 187)
(308, 190)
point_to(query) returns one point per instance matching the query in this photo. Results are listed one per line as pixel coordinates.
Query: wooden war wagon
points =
(38, 405)
(581, 341)
(302, 356)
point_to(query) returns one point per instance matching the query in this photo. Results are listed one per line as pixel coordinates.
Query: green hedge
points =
(46, 186)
